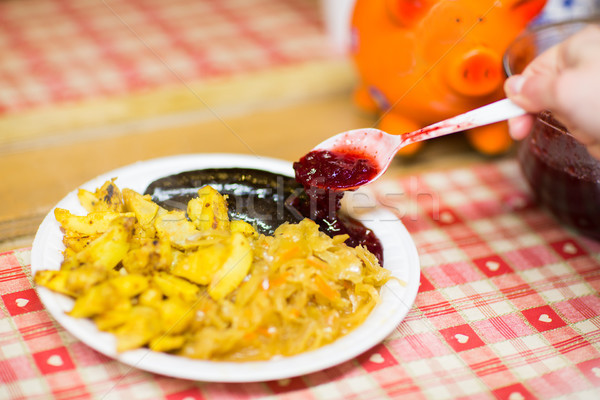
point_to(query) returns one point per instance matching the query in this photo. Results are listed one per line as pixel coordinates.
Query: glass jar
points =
(561, 173)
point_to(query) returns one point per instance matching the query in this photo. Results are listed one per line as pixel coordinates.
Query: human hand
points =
(565, 80)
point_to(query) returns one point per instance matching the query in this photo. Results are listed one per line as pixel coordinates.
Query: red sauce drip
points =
(325, 176)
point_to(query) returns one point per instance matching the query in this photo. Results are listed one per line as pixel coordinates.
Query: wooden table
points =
(282, 113)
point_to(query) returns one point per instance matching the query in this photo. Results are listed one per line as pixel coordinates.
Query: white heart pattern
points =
(516, 396)
(596, 371)
(545, 318)
(55, 360)
(462, 339)
(21, 302)
(446, 217)
(569, 248)
(492, 265)
(376, 358)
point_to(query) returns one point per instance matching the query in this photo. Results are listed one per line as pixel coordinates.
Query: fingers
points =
(520, 127)
(564, 80)
(534, 90)
(513, 86)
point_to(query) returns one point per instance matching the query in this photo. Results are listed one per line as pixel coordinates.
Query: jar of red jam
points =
(562, 175)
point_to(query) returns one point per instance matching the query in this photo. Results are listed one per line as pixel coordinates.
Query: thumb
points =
(534, 89)
(532, 93)
(538, 92)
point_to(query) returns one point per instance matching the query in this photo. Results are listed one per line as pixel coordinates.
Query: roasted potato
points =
(176, 229)
(200, 266)
(142, 325)
(151, 255)
(176, 288)
(109, 249)
(143, 207)
(243, 227)
(208, 211)
(106, 295)
(234, 268)
(106, 198)
(94, 223)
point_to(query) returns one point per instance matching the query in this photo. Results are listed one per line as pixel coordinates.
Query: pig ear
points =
(407, 12)
(526, 10)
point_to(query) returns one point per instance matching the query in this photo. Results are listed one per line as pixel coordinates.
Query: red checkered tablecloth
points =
(53, 51)
(508, 308)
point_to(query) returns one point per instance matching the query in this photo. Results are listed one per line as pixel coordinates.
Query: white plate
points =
(400, 257)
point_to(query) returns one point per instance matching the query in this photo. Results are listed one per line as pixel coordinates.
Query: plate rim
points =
(221, 371)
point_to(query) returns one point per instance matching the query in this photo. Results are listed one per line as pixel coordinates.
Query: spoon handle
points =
(495, 112)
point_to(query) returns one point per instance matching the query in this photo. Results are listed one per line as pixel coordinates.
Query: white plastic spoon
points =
(380, 147)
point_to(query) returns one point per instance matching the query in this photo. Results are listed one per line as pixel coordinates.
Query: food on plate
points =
(266, 200)
(197, 284)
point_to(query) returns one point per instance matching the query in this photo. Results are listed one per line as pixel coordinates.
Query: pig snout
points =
(475, 72)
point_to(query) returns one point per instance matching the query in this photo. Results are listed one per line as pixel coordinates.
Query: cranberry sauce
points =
(325, 176)
(334, 170)
(562, 175)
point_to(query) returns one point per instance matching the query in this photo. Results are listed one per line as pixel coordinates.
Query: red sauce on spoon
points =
(335, 170)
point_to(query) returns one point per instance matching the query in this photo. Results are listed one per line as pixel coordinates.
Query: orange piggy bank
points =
(422, 61)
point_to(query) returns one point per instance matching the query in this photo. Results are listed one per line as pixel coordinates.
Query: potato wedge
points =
(175, 315)
(208, 211)
(97, 300)
(143, 207)
(78, 243)
(177, 230)
(243, 227)
(167, 343)
(109, 249)
(81, 279)
(108, 294)
(151, 296)
(175, 287)
(108, 197)
(129, 285)
(234, 269)
(112, 319)
(55, 280)
(201, 265)
(141, 327)
(152, 255)
(86, 225)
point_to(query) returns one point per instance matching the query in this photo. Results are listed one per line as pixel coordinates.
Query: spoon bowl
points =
(339, 155)
(375, 145)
